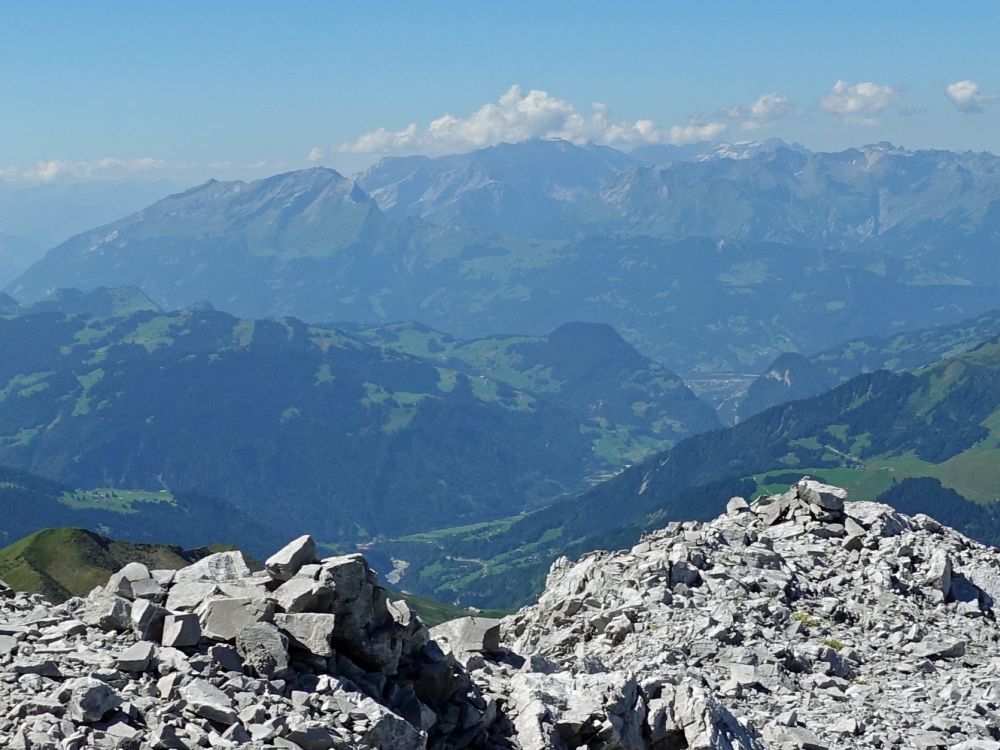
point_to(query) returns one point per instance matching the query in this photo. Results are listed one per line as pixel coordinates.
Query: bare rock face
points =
(796, 621)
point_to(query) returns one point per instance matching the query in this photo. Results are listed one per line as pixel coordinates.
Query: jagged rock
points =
(220, 567)
(148, 588)
(799, 622)
(263, 648)
(226, 657)
(181, 630)
(948, 648)
(136, 658)
(148, 619)
(468, 635)
(939, 574)
(107, 612)
(985, 576)
(302, 595)
(189, 595)
(206, 700)
(824, 495)
(286, 562)
(223, 619)
(584, 710)
(386, 729)
(737, 505)
(88, 700)
(311, 631)
(135, 571)
(806, 606)
(119, 585)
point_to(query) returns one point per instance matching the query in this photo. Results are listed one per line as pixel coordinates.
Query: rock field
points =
(797, 622)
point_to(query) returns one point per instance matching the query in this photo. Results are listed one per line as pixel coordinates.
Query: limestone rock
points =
(468, 635)
(88, 700)
(207, 701)
(148, 619)
(800, 621)
(286, 562)
(137, 657)
(181, 630)
(220, 567)
(222, 619)
(311, 631)
(263, 648)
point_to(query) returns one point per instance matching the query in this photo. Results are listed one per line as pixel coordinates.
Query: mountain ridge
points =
(644, 251)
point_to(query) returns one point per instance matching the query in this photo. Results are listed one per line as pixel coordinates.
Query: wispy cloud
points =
(518, 116)
(52, 171)
(968, 96)
(56, 170)
(860, 103)
(765, 112)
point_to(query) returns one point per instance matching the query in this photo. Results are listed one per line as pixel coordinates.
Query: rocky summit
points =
(799, 621)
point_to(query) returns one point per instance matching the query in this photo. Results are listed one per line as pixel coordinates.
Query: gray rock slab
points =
(89, 700)
(264, 649)
(137, 657)
(310, 631)
(181, 630)
(222, 619)
(222, 566)
(205, 700)
(286, 562)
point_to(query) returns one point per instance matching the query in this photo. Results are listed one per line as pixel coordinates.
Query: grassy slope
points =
(60, 563)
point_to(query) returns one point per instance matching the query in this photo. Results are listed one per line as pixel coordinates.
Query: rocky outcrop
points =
(796, 621)
(308, 653)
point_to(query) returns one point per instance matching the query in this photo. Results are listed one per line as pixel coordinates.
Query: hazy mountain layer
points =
(682, 259)
(794, 376)
(34, 217)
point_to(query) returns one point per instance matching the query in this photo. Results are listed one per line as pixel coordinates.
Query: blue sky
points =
(188, 90)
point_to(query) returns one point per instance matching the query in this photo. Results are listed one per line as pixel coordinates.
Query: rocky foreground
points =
(797, 622)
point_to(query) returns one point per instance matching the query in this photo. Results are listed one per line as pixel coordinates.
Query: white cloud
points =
(859, 103)
(315, 155)
(765, 112)
(59, 170)
(52, 171)
(520, 116)
(968, 97)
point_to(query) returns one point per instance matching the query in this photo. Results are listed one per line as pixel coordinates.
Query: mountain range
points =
(277, 418)
(929, 440)
(869, 241)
